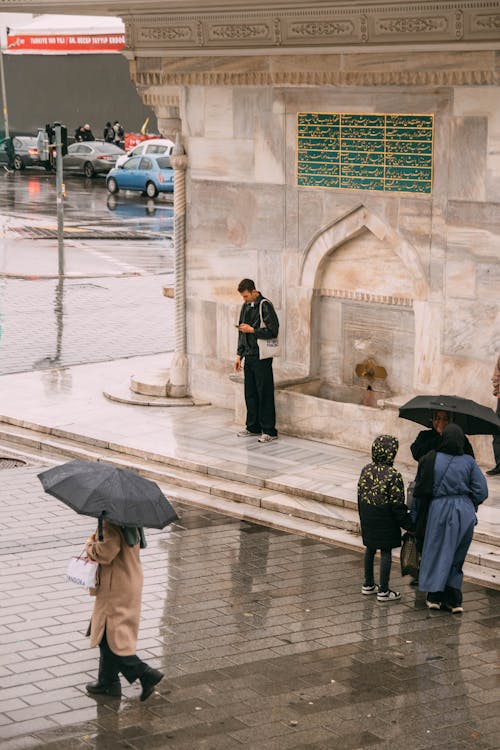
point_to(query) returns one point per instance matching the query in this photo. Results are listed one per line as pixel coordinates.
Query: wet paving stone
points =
(264, 638)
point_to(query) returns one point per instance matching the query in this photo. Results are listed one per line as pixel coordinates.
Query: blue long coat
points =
(459, 487)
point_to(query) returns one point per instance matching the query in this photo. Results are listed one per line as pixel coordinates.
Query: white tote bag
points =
(82, 572)
(267, 347)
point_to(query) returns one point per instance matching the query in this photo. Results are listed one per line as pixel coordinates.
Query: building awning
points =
(62, 35)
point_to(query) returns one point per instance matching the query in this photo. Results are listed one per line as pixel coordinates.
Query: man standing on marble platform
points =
(496, 439)
(258, 320)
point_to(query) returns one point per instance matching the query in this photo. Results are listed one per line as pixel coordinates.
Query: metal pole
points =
(4, 95)
(59, 199)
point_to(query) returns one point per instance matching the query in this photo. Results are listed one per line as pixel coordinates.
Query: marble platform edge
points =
(195, 465)
(127, 396)
(484, 557)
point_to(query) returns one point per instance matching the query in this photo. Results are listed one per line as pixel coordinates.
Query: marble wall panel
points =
(219, 112)
(202, 326)
(461, 278)
(479, 243)
(467, 158)
(269, 277)
(226, 216)
(471, 328)
(193, 111)
(219, 159)
(297, 327)
(227, 334)
(488, 281)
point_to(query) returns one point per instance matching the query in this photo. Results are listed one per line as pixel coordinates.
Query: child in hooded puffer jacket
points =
(382, 513)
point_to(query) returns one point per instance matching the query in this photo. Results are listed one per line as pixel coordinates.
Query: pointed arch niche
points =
(365, 283)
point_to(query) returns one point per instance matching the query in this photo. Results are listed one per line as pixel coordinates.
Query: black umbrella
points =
(473, 418)
(106, 492)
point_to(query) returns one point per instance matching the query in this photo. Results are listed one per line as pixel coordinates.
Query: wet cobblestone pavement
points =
(49, 323)
(264, 637)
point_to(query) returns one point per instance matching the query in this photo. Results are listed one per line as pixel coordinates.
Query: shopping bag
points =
(268, 347)
(409, 556)
(82, 572)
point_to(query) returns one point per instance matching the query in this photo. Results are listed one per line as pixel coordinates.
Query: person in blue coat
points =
(449, 488)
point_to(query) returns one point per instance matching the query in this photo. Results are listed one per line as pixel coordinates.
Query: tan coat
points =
(495, 379)
(117, 605)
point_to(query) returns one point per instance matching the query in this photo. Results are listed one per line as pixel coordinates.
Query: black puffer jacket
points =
(381, 498)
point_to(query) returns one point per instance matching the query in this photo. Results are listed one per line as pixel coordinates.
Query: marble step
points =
(24, 432)
(279, 510)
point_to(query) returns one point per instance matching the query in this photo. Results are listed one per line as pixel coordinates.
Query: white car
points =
(155, 146)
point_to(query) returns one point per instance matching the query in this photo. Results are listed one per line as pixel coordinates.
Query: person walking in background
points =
(119, 131)
(87, 134)
(429, 440)
(115, 620)
(109, 133)
(448, 490)
(258, 320)
(495, 379)
(382, 513)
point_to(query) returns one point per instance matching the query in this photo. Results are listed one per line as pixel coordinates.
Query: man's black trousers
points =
(259, 395)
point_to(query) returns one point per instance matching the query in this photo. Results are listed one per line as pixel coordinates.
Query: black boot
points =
(113, 689)
(149, 679)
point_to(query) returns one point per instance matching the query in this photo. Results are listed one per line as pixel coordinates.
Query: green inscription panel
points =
(391, 153)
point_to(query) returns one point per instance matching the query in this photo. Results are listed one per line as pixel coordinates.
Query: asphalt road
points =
(118, 254)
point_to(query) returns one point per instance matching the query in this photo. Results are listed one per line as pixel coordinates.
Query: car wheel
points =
(88, 169)
(18, 163)
(151, 190)
(112, 185)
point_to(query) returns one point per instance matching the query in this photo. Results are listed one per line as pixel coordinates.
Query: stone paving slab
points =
(264, 637)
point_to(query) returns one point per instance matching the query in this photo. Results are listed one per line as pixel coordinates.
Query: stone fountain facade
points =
(410, 279)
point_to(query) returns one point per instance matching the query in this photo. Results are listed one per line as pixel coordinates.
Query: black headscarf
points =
(452, 443)
(453, 440)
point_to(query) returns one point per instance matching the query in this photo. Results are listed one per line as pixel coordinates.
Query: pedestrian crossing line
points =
(127, 267)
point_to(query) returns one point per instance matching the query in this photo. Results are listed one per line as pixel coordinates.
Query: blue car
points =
(149, 174)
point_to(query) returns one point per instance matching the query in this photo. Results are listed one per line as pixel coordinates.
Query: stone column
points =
(179, 366)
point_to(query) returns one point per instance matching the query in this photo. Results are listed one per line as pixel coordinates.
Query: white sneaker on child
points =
(388, 596)
(367, 590)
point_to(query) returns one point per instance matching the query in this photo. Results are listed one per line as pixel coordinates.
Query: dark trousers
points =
(110, 665)
(259, 395)
(385, 567)
(496, 442)
(450, 597)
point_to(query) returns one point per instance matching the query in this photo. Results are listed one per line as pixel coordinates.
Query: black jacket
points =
(430, 440)
(247, 342)
(381, 498)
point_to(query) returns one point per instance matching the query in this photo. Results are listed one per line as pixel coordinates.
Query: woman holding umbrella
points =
(123, 502)
(448, 490)
(115, 620)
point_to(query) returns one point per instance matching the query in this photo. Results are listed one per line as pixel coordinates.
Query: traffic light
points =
(64, 140)
(50, 133)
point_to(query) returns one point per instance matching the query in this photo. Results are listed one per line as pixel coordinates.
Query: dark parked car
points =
(25, 152)
(92, 157)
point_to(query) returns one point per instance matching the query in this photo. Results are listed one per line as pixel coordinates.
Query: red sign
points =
(133, 139)
(65, 43)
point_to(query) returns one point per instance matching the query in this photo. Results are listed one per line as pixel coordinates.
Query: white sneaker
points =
(267, 438)
(247, 433)
(367, 590)
(432, 605)
(457, 610)
(388, 596)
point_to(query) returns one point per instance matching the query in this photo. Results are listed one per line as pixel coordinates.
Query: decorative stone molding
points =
(379, 299)
(320, 78)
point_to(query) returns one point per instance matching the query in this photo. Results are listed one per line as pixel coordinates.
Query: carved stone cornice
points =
(341, 24)
(155, 26)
